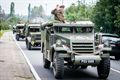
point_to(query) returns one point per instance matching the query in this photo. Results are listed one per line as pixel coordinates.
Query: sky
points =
(21, 6)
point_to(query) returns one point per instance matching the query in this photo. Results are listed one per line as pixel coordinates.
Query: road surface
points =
(35, 57)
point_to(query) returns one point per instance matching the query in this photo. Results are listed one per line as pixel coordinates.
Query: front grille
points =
(37, 37)
(82, 47)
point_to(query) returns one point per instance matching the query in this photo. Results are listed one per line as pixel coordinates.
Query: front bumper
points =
(87, 60)
(83, 59)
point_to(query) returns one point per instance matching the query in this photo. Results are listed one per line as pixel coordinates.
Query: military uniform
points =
(58, 15)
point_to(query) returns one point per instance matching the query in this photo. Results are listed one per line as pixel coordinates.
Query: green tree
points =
(12, 9)
(29, 11)
(4, 25)
(106, 15)
(37, 11)
(79, 12)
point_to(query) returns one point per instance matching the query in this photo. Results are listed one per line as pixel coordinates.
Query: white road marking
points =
(115, 70)
(30, 65)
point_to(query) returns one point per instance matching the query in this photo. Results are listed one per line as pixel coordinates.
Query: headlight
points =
(106, 44)
(100, 46)
(29, 39)
(59, 42)
(66, 47)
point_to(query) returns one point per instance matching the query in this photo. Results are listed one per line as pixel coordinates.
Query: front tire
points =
(29, 45)
(117, 57)
(17, 37)
(104, 68)
(46, 63)
(84, 67)
(58, 66)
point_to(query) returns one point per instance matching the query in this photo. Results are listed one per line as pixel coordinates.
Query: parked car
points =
(114, 42)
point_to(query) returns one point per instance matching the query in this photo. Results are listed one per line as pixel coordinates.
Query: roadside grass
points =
(1, 33)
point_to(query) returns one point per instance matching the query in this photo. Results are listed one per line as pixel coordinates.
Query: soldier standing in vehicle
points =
(55, 11)
(58, 12)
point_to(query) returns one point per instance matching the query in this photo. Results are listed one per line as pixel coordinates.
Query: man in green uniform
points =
(58, 13)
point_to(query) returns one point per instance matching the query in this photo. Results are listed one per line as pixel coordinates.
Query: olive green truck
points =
(73, 45)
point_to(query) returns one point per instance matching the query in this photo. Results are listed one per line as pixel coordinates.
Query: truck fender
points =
(58, 49)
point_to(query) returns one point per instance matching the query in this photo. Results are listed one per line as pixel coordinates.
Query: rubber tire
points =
(117, 57)
(17, 37)
(104, 68)
(42, 46)
(29, 46)
(84, 67)
(58, 66)
(46, 63)
(26, 43)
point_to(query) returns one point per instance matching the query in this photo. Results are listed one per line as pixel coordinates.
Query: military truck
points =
(19, 31)
(14, 29)
(32, 35)
(73, 45)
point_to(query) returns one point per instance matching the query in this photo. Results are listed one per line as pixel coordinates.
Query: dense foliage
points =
(106, 14)
(3, 25)
(37, 11)
(78, 12)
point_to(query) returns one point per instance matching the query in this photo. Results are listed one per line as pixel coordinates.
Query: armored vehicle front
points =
(19, 29)
(73, 45)
(33, 36)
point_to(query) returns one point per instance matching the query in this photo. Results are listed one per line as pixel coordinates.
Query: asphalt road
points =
(35, 57)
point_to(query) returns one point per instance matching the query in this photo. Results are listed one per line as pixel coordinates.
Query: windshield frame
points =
(34, 27)
(57, 29)
(20, 27)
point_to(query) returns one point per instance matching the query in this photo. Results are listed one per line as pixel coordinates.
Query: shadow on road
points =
(47, 74)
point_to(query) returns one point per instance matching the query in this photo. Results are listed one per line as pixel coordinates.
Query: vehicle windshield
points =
(33, 29)
(83, 29)
(19, 27)
(74, 29)
(65, 30)
(110, 37)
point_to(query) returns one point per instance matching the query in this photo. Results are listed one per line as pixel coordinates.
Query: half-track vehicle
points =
(32, 35)
(19, 29)
(73, 45)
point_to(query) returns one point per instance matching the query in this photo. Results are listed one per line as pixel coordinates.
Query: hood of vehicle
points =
(113, 40)
(78, 37)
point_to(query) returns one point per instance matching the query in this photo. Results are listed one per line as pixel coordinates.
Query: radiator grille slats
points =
(82, 47)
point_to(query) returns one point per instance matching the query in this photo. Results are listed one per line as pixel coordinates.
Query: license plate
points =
(87, 61)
